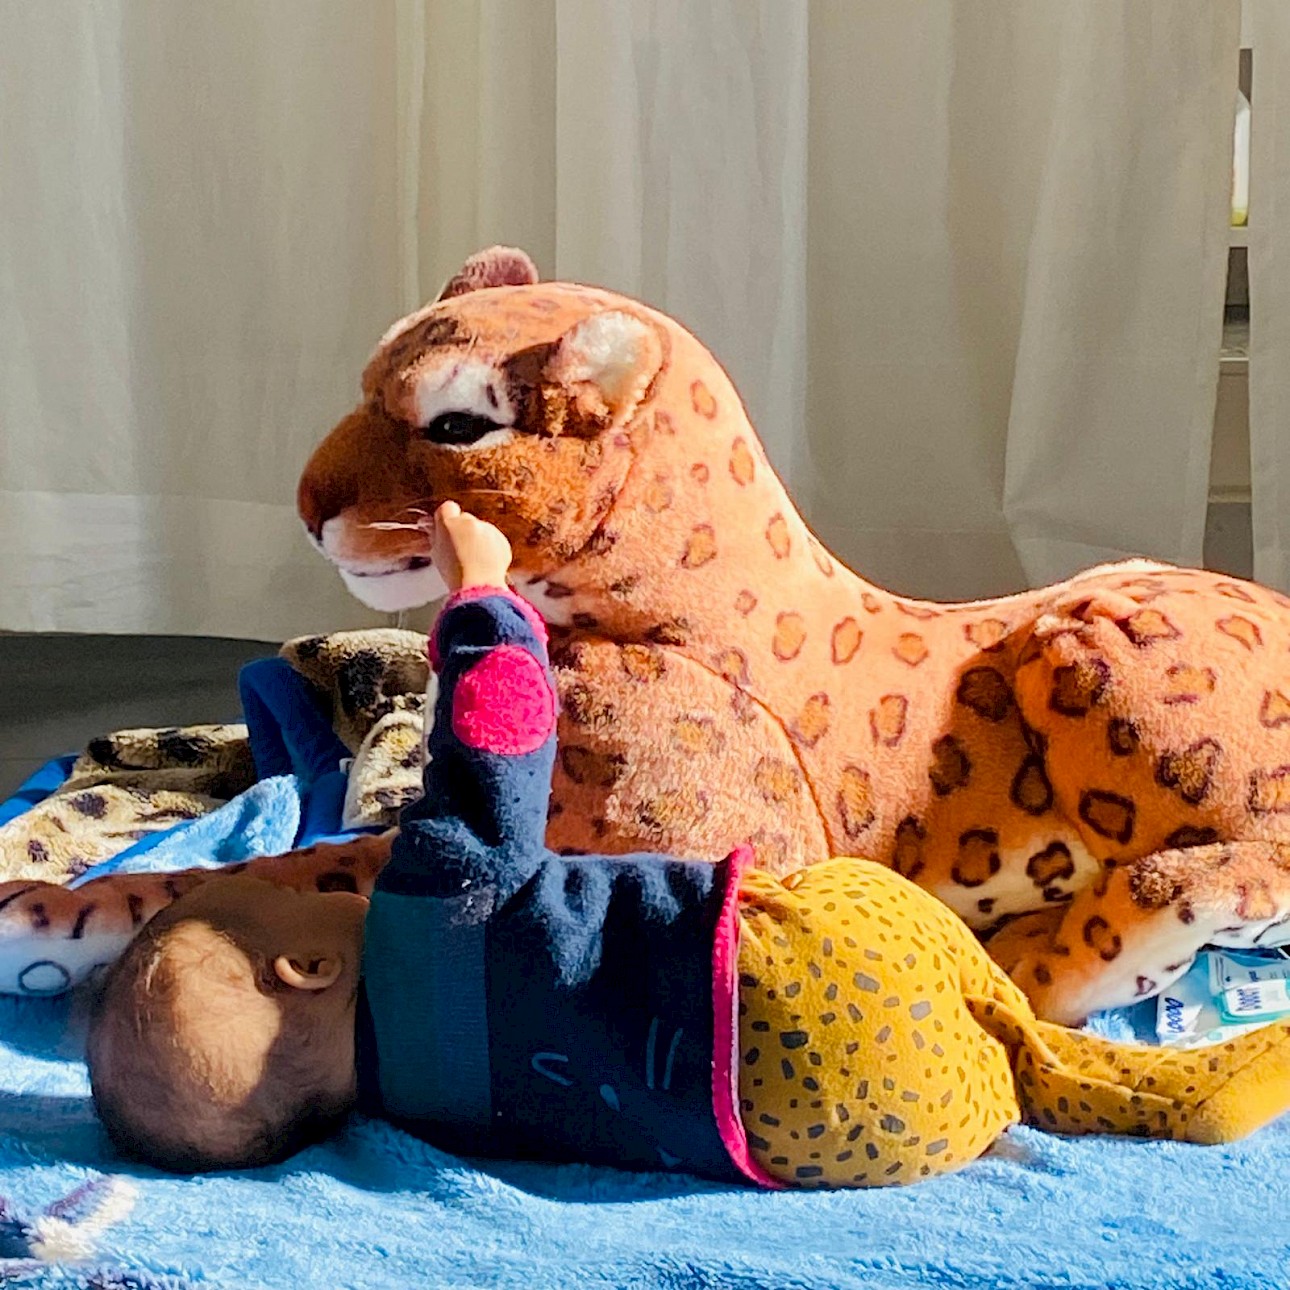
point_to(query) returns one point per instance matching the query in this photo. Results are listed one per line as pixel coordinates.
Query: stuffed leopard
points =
(1100, 769)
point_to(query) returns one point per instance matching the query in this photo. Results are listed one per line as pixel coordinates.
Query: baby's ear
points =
(606, 363)
(308, 972)
(498, 266)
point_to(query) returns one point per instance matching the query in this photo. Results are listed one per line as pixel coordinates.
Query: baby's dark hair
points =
(194, 1061)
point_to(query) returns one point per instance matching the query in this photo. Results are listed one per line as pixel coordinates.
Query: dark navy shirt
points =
(520, 1003)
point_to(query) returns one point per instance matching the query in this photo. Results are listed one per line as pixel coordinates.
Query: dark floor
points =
(58, 692)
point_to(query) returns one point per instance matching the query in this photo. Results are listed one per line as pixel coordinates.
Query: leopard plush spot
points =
(337, 880)
(1077, 687)
(790, 636)
(1099, 936)
(978, 858)
(887, 720)
(1269, 791)
(702, 400)
(701, 548)
(1241, 630)
(1148, 627)
(1274, 711)
(1053, 864)
(777, 535)
(1188, 835)
(1189, 684)
(745, 603)
(776, 780)
(910, 648)
(642, 662)
(1108, 814)
(1031, 789)
(673, 809)
(951, 768)
(743, 466)
(846, 640)
(658, 496)
(812, 722)
(1190, 771)
(987, 634)
(910, 836)
(696, 735)
(871, 603)
(922, 612)
(732, 666)
(584, 707)
(985, 692)
(855, 801)
(1122, 736)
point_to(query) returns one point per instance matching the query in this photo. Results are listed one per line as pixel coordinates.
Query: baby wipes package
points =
(1225, 993)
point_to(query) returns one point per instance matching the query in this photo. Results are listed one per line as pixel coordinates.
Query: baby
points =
(837, 1028)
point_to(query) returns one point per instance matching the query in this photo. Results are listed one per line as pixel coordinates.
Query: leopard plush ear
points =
(606, 363)
(498, 266)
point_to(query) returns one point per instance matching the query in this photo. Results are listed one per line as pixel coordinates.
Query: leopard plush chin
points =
(1096, 773)
(395, 591)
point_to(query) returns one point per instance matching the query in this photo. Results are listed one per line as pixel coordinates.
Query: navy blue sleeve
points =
(492, 747)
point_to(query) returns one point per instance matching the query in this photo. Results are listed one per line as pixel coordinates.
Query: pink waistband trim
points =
(725, 1025)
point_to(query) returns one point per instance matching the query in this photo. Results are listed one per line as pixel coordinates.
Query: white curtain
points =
(964, 261)
(1270, 292)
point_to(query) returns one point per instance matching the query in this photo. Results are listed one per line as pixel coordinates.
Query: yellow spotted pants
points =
(880, 1044)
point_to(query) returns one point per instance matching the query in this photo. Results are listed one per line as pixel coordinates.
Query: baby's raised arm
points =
(492, 744)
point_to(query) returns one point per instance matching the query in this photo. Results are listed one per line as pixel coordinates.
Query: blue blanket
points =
(376, 1208)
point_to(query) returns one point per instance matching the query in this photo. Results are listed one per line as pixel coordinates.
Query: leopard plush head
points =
(523, 401)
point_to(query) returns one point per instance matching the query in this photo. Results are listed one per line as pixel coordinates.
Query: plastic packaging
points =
(1223, 994)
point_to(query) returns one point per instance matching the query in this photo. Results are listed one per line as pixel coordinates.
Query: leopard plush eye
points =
(455, 429)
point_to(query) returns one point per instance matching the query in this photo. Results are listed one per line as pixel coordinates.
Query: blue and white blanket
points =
(377, 1208)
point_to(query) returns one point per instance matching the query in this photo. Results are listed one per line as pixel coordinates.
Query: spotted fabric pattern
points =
(879, 1045)
(861, 1064)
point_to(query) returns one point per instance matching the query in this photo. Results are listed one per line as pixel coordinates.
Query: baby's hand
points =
(468, 552)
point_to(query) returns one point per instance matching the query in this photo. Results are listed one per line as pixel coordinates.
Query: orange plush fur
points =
(1101, 766)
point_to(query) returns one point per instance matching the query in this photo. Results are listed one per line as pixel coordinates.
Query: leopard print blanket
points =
(131, 783)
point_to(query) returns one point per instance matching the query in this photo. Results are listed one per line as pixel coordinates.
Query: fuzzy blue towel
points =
(376, 1208)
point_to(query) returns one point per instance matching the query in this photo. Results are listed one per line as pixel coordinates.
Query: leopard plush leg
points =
(52, 938)
(1147, 726)
(1140, 926)
(659, 752)
(1072, 1082)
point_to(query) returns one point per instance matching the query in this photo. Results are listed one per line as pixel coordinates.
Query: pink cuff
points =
(465, 596)
(725, 1024)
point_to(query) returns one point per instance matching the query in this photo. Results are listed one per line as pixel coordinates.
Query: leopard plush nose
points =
(314, 508)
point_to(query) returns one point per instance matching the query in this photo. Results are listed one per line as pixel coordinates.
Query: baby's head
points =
(224, 1036)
